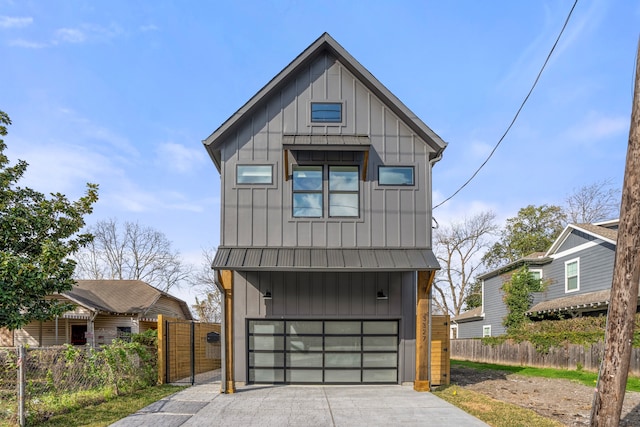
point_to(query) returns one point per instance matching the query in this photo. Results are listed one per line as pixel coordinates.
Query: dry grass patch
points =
(491, 411)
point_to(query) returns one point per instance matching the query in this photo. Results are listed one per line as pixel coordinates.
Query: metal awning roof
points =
(326, 142)
(319, 259)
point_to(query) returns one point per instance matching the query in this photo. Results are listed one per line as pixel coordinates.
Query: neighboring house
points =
(577, 270)
(326, 228)
(104, 310)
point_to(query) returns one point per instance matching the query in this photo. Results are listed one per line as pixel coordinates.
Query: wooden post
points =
(162, 350)
(421, 382)
(226, 280)
(612, 379)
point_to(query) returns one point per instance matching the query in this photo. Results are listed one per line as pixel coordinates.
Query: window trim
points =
(312, 122)
(577, 276)
(486, 328)
(413, 175)
(239, 165)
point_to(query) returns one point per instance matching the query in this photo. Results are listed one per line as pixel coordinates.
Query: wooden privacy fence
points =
(440, 360)
(183, 348)
(569, 356)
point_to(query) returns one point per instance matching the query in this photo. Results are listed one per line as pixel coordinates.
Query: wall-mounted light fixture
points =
(267, 295)
(381, 295)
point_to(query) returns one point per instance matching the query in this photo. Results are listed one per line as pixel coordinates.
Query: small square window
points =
(326, 112)
(396, 175)
(254, 174)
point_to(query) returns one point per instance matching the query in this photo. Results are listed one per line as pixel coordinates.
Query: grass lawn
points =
(584, 377)
(108, 412)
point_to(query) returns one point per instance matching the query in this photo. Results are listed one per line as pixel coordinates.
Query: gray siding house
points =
(577, 270)
(325, 256)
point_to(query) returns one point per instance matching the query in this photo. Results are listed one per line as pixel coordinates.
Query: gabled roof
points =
(607, 234)
(119, 296)
(324, 43)
(535, 259)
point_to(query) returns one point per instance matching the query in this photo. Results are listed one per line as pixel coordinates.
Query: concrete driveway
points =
(291, 405)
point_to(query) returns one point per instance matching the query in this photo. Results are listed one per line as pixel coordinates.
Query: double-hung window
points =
(342, 190)
(572, 275)
(344, 197)
(307, 192)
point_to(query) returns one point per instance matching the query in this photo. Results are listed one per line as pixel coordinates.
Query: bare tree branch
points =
(131, 252)
(592, 203)
(458, 247)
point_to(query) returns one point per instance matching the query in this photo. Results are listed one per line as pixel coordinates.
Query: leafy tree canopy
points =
(38, 233)
(533, 230)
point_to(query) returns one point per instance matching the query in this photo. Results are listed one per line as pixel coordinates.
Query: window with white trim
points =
(572, 275)
(486, 331)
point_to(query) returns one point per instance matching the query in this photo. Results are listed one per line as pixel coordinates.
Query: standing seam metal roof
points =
(334, 259)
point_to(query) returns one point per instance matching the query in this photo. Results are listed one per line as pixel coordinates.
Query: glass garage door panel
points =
(317, 351)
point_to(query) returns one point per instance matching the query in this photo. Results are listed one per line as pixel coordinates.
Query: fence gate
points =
(188, 351)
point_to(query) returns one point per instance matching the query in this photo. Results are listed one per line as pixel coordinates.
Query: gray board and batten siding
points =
(261, 215)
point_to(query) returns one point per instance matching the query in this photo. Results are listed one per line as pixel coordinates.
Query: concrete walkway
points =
(291, 405)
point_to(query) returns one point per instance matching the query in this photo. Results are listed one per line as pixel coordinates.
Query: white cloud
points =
(27, 44)
(595, 127)
(149, 27)
(178, 158)
(15, 22)
(70, 35)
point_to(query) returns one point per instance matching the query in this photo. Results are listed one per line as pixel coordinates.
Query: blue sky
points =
(121, 93)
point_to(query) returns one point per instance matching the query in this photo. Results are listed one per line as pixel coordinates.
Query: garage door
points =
(322, 351)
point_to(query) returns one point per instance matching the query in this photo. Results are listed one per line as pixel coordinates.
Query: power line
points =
(515, 117)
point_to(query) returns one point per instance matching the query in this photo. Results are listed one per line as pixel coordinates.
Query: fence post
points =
(21, 384)
(193, 353)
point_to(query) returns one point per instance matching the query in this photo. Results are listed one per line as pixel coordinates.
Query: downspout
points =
(431, 163)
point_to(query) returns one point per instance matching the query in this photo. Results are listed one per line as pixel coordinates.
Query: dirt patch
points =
(565, 401)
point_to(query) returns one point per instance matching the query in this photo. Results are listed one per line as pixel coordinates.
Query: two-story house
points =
(577, 271)
(325, 257)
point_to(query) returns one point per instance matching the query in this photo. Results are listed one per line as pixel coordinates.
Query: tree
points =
(473, 298)
(458, 249)
(518, 297)
(131, 252)
(591, 203)
(209, 308)
(533, 230)
(38, 234)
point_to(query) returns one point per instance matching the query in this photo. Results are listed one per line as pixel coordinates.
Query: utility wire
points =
(517, 112)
